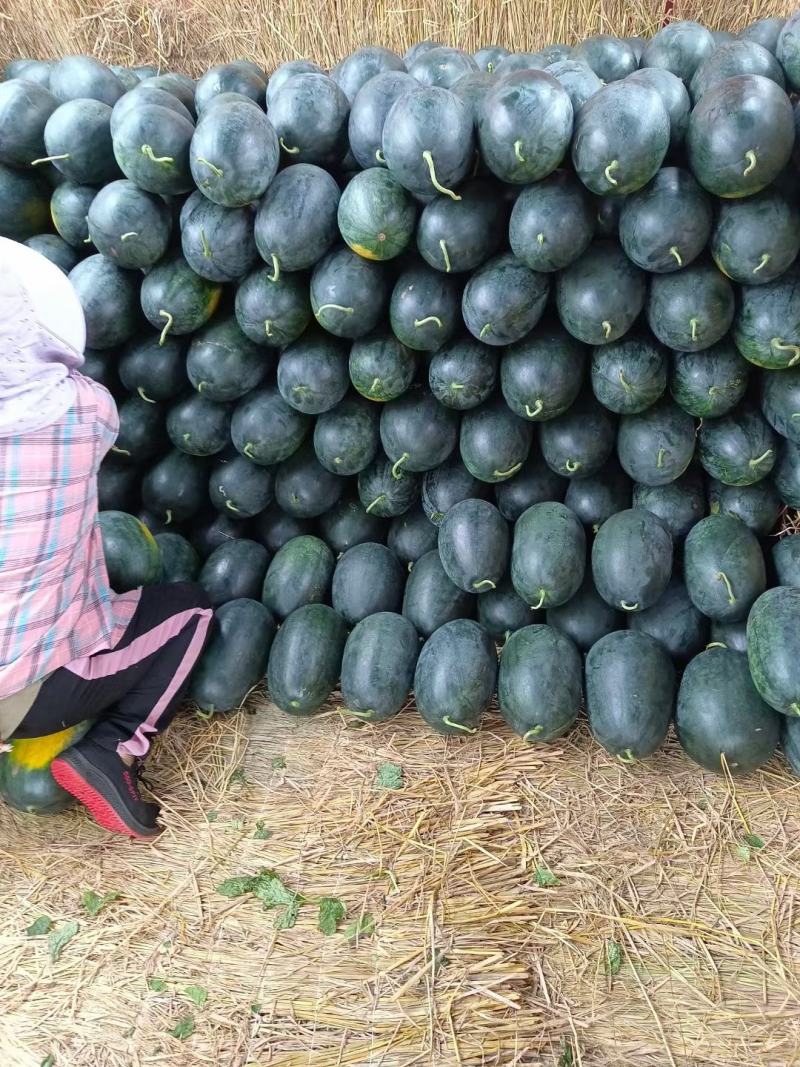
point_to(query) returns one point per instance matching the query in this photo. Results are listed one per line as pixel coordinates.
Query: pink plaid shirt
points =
(55, 600)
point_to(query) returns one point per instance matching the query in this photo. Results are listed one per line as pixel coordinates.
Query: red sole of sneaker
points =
(97, 806)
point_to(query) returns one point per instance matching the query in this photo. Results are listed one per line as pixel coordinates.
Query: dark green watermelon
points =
(578, 79)
(679, 47)
(223, 364)
(585, 617)
(488, 57)
(128, 225)
(83, 77)
(300, 573)
(474, 545)
(346, 437)
(656, 446)
(599, 496)
(348, 293)
(517, 61)
(428, 141)
(463, 373)
(368, 578)
(296, 221)
(376, 215)
(176, 488)
(710, 383)
(723, 568)
(56, 249)
(441, 66)
(494, 442)
(552, 223)
(621, 137)
(309, 114)
(721, 721)
(632, 560)
(447, 484)
(578, 443)
(541, 375)
(611, 58)
(141, 431)
(25, 107)
(179, 560)
(692, 309)
(214, 528)
(386, 491)
(239, 486)
(146, 94)
(69, 208)
(764, 32)
(411, 535)
(758, 506)
(548, 555)
(630, 694)
(767, 326)
(378, 666)
(118, 486)
(109, 298)
(151, 147)
(534, 483)
(217, 242)
(674, 622)
(600, 295)
(667, 224)
(787, 50)
(236, 77)
(780, 402)
(731, 635)
(285, 71)
(740, 135)
(739, 448)
(368, 112)
(773, 648)
(502, 611)
(460, 235)
(735, 57)
(303, 487)
(525, 126)
(347, 524)
(757, 239)
(312, 373)
(179, 85)
(199, 426)
(101, 366)
(455, 677)
(417, 432)
(424, 310)
(679, 504)
(77, 141)
(177, 301)
(132, 556)
(431, 599)
(233, 571)
(503, 300)
(674, 97)
(273, 311)
(274, 527)
(306, 659)
(380, 367)
(539, 683)
(786, 558)
(266, 429)
(629, 376)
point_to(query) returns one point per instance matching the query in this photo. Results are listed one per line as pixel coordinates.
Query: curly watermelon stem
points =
(455, 386)
(335, 307)
(87, 240)
(540, 602)
(375, 383)
(168, 519)
(627, 756)
(794, 708)
(248, 450)
(778, 344)
(150, 154)
(626, 385)
(268, 327)
(48, 159)
(508, 473)
(231, 506)
(360, 714)
(381, 158)
(486, 329)
(286, 148)
(752, 159)
(276, 269)
(204, 244)
(532, 412)
(760, 459)
(721, 576)
(606, 328)
(674, 252)
(426, 155)
(144, 395)
(693, 324)
(120, 451)
(204, 715)
(127, 236)
(429, 318)
(170, 320)
(612, 166)
(518, 152)
(626, 606)
(533, 733)
(375, 502)
(660, 458)
(484, 581)
(715, 644)
(201, 386)
(459, 725)
(762, 263)
(396, 472)
(540, 238)
(572, 465)
(445, 256)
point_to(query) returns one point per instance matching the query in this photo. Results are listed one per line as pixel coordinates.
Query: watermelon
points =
(552, 223)
(674, 622)
(347, 524)
(56, 249)
(599, 496)
(424, 309)
(428, 141)
(630, 694)
(179, 560)
(460, 235)
(303, 487)
(223, 364)
(109, 298)
(386, 491)
(77, 140)
(678, 504)
(474, 545)
(767, 326)
(213, 528)
(674, 97)
(472, 88)
(764, 32)
(455, 677)
(539, 683)
(780, 402)
(217, 242)
(118, 486)
(757, 239)
(721, 721)
(141, 431)
(361, 66)
(504, 300)
(609, 57)
(723, 568)
(296, 221)
(101, 366)
(69, 208)
(273, 311)
(309, 113)
(411, 535)
(128, 225)
(666, 225)
(346, 437)
(417, 432)
(502, 612)
(735, 57)
(541, 376)
(534, 483)
(175, 489)
(431, 599)
(758, 506)
(632, 560)
(548, 555)
(739, 448)
(679, 47)
(692, 309)
(300, 573)
(266, 429)
(275, 527)
(83, 77)
(239, 486)
(198, 426)
(145, 94)
(234, 571)
(369, 578)
(37, 70)
(26, 783)
(629, 376)
(709, 383)
(578, 443)
(600, 295)
(306, 657)
(445, 485)
(740, 135)
(285, 72)
(494, 442)
(25, 108)
(524, 126)
(518, 61)
(312, 373)
(786, 558)
(151, 146)
(585, 617)
(131, 552)
(368, 112)
(348, 293)
(177, 301)
(441, 66)
(656, 446)
(773, 648)
(376, 215)
(787, 50)
(230, 78)
(579, 80)
(380, 367)
(731, 635)
(236, 656)
(463, 373)
(378, 666)
(621, 136)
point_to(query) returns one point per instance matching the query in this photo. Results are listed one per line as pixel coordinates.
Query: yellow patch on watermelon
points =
(366, 253)
(36, 753)
(147, 535)
(214, 299)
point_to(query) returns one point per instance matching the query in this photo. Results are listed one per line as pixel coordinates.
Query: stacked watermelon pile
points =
(429, 355)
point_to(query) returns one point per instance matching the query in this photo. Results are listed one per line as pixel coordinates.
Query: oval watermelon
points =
(539, 683)
(431, 599)
(306, 658)
(368, 578)
(548, 555)
(723, 568)
(378, 666)
(474, 545)
(455, 677)
(632, 560)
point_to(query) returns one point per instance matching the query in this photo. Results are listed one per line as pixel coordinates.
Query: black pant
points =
(133, 690)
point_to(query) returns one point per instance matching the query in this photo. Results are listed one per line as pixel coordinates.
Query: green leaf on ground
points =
(48, 1061)
(278, 763)
(331, 913)
(58, 940)
(39, 927)
(545, 877)
(238, 776)
(236, 887)
(364, 926)
(613, 957)
(288, 917)
(197, 994)
(156, 985)
(261, 833)
(212, 816)
(94, 903)
(389, 776)
(183, 1028)
(743, 852)
(270, 890)
(255, 1008)
(753, 840)
(237, 824)
(567, 1057)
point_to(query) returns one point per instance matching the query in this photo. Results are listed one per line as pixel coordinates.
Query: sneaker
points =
(108, 788)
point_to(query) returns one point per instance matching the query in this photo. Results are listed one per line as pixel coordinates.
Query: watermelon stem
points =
(674, 252)
(211, 167)
(540, 238)
(764, 261)
(535, 410)
(48, 159)
(120, 451)
(572, 465)
(231, 506)
(430, 318)
(148, 151)
(87, 240)
(533, 733)
(204, 242)
(144, 395)
(761, 458)
(286, 148)
(335, 307)
(606, 328)
(204, 715)
(660, 458)
(127, 236)
(485, 330)
(721, 576)
(360, 714)
(168, 517)
(508, 473)
(518, 153)
(381, 158)
(458, 725)
(276, 269)
(752, 159)
(715, 644)
(248, 450)
(540, 602)
(612, 166)
(268, 327)
(625, 384)
(693, 324)
(794, 708)
(165, 315)
(396, 466)
(426, 155)
(485, 581)
(376, 501)
(445, 256)
(777, 343)
(375, 383)
(627, 756)
(626, 606)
